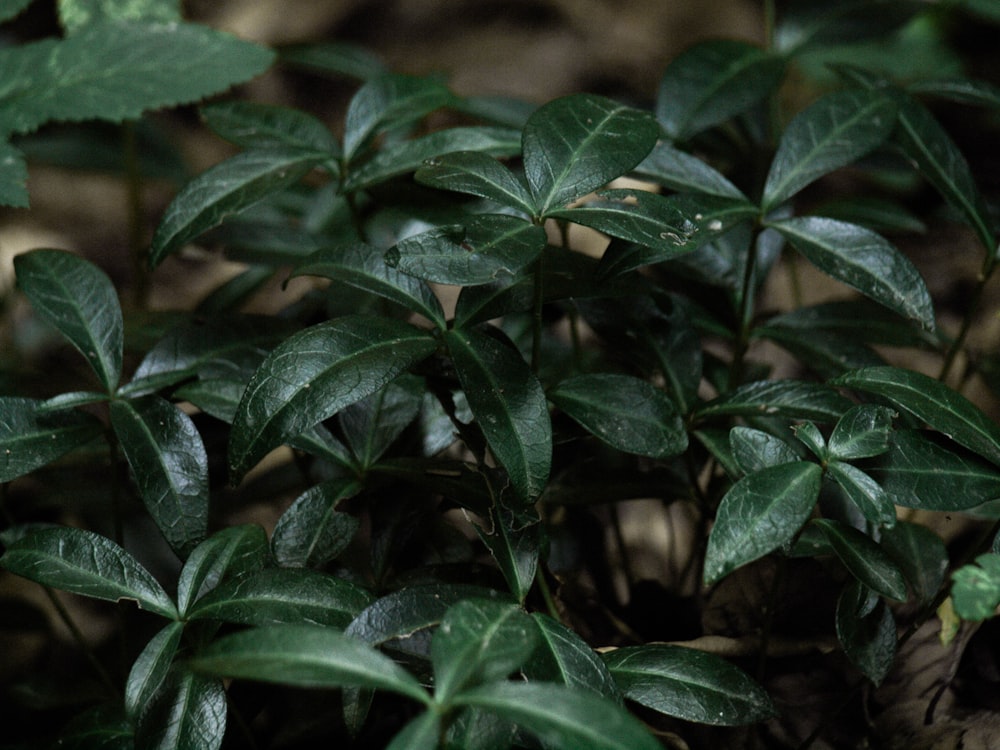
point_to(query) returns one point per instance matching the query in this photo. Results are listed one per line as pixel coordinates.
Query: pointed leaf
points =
(87, 564)
(564, 657)
(578, 143)
(874, 502)
(515, 541)
(13, 177)
(755, 450)
(252, 125)
(864, 559)
(960, 90)
(78, 299)
(810, 436)
(170, 467)
(684, 173)
(229, 553)
(372, 425)
(759, 514)
(920, 555)
(794, 399)
(342, 58)
(863, 260)
(867, 631)
(312, 532)
(30, 439)
(476, 173)
(189, 712)
(862, 432)
(316, 373)
(151, 667)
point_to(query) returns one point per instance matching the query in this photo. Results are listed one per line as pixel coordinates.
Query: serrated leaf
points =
(793, 399)
(975, 590)
(920, 555)
(76, 14)
(231, 552)
(30, 439)
(311, 532)
(864, 559)
(760, 513)
(476, 173)
(623, 411)
(689, 685)
(932, 402)
(833, 132)
(862, 432)
(252, 125)
(509, 405)
(684, 173)
(564, 657)
(170, 467)
(874, 502)
(117, 70)
(189, 712)
(867, 631)
(78, 299)
(712, 82)
(316, 373)
(863, 260)
(581, 142)
(13, 177)
(87, 564)
(306, 656)
(225, 189)
(150, 668)
(755, 450)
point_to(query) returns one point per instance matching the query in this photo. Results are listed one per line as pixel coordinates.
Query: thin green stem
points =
(117, 478)
(133, 181)
(536, 314)
(970, 311)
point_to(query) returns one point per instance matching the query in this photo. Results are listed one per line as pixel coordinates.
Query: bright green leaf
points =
(864, 558)
(30, 440)
(311, 532)
(231, 552)
(476, 173)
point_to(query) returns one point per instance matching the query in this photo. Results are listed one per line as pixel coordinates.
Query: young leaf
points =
(251, 125)
(316, 373)
(563, 656)
(306, 656)
(759, 514)
(874, 502)
(793, 399)
(13, 177)
(76, 14)
(755, 450)
(976, 588)
(863, 260)
(422, 733)
(867, 631)
(810, 436)
(688, 684)
(229, 553)
(78, 299)
(684, 173)
(87, 564)
(509, 405)
(920, 555)
(312, 532)
(190, 711)
(150, 668)
(623, 411)
(476, 173)
(578, 143)
(225, 189)
(862, 432)
(170, 467)
(30, 439)
(833, 132)
(864, 559)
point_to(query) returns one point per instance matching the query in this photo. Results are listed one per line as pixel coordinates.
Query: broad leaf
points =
(476, 173)
(684, 173)
(792, 399)
(833, 132)
(30, 440)
(862, 432)
(863, 260)
(920, 555)
(688, 684)
(151, 667)
(13, 177)
(311, 532)
(87, 564)
(78, 299)
(251, 125)
(169, 465)
(509, 405)
(867, 631)
(306, 656)
(864, 559)
(759, 514)
(76, 14)
(229, 553)
(316, 373)
(190, 711)
(874, 502)
(578, 143)
(755, 450)
(623, 411)
(975, 592)
(563, 656)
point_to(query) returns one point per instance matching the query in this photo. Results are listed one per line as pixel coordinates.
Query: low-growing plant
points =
(450, 417)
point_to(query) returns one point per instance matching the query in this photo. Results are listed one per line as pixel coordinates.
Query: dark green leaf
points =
(959, 90)
(807, 25)
(625, 412)
(78, 299)
(475, 729)
(71, 400)
(680, 171)
(810, 436)
(975, 592)
(829, 355)
(871, 212)
(13, 177)
(874, 502)
(312, 532)
(316, 373)
(515, 542)
(863, 260)
(151, 667)
(231, 552)
(509, 405)
(688, 684)
(233, 294)
(77, 14)
(422, 733)
(30, 440)
(792, 399)
(87, 564)
(755, 450)
(864, 559)
(759, 514)
(372, 425)
(859, 320)
(476, 173)
(920, 554)
(862, 432)
(867, 631)
(13, 8)
(563, 656)
(335, 57)
(251, 125)
(190, 711)
(578, 143)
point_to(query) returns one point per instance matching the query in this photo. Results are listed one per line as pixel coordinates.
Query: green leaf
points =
(712, 82)
(792, 399)
(252, 125)
(975, 591)
(859, 320)
(807, 26)
(515, 541)
(101, 728)
(563, 656)
(561, 717)
(755, 450)
(689, 685)
(275, 596)
(759, 514)
(862, 432)
(487, 247)
(959, 90)
(476, 173)
(874, 502)
(920, 555)
(311, 532)
(864, 559)
(684, 173)
(372, 425)
(363, 267)
(475, 729)
(12, 9)
(810, 436)
(76, 14)
(169, 465)
(71, 400)
(833, 132)
(231, 552)
(306, 656)
(30, 439)
(316, 373)
(117, 70)
(578, 143)
(867, 631)
(13, 177)
(150, 668)
(87, 564)
(509, 405)
(421, 733)
(863, 260)
(932, 402)
(623, 411)
(479, 641)
(189, 712)
(78, 299)
(342, 58)
(226, 189)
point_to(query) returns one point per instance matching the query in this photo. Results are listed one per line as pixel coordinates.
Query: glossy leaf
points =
(226, 189)
(311, 532)
(868, 495)
(759, 514)
(863, 260)
(755, 449)
(515, 541)
(975, 591)
(829, 355)
(475, 729)
(833, 132)
(623, 411)
(189, 712)
(231, 552)
(30, 440)
(688, 684)
(867, 631)
(313, 375)
(578, 143)
(810, 436)
(252, 125)
(306, 656)
(476, 173)
(421, 733)
(78, 299)
(170, 467)
(862, 432)
(13, 177)
(712, 82)
(509, 405)
(960, 90)
(864, 558)
(564, 657)
(151, 667)
(792, 399)
(684, 173)
(372, 425)
(920, 555)
(87, 564)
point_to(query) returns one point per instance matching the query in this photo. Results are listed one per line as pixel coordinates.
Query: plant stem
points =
(745, 313)
(536, 314)
(67, 620)
(133, 175)
(977, 295)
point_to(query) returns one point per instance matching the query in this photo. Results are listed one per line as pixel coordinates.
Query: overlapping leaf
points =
(476, 173)
(312, 531)
(867, 631)
(229, 553)
(794, 399)
(865, 560)
(190, 711)
(30, 439)
(151, 667)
